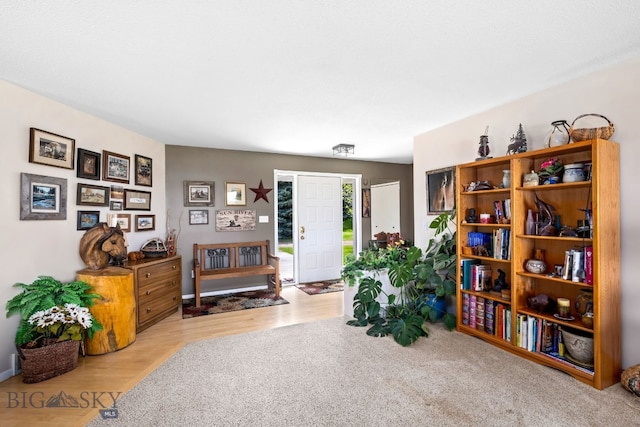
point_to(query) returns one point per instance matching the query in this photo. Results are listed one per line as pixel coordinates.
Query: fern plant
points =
(41, 295)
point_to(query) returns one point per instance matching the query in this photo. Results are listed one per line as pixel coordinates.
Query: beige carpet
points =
(326, 373)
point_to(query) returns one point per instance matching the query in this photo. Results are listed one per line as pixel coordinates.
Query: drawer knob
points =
(174, 267)
(148, 292)
(148, 309)
(173, 282)
(147, 275)
(174, 297)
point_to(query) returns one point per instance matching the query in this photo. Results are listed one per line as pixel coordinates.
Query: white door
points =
(319, 211)
(385, 208)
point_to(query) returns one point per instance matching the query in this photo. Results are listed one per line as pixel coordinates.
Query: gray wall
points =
(204, 164)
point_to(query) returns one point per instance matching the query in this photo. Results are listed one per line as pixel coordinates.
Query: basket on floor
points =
(584, 134)
(41, 363)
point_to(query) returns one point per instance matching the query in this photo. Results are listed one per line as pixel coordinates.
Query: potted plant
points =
(423, 283)
(54, 319)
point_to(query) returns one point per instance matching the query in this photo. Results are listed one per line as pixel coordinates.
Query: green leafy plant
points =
(423, 281)
(51, 309)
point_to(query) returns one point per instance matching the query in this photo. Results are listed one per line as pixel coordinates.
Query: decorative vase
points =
(439, 304)
(559, 134)
(584, 302)
(573, 173)
(506, 178)
(42, 363)
(535, 266)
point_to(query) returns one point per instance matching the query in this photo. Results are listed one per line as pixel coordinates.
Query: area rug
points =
(230, 302)
(316, 288)
(326, 373)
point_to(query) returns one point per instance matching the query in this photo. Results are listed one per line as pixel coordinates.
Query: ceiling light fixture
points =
(343, 150)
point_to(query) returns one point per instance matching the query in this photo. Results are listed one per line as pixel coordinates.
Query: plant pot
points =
(437, 303)
(41, 363)
(387, 288)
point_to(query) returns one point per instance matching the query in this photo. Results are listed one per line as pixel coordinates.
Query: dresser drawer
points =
(158, 289)
(158, 307)
(158, 272)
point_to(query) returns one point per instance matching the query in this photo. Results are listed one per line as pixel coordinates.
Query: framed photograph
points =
(366, 202)
(123, 220)
(115, 205)
(115, 167)
(87, 219)
(42, 197)
(198, 216)
(88, 164)
(198, 193)
(137, 200)
(236, 220)
(92, 195)
(50, 149)
(145, 222)
(441, 195)
(236, 193)
(144, 170)
(117, 192)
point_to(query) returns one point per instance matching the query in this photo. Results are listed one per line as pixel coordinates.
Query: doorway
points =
(308, 231)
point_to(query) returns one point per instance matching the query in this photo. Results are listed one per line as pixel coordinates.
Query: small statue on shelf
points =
(518, 142)
(483, 150)
(500, 282)
(471, 217)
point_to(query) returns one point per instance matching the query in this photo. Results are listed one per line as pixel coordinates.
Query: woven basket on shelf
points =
(41, 363)
(583, 134)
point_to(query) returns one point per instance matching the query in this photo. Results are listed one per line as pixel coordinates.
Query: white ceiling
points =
(298, 77)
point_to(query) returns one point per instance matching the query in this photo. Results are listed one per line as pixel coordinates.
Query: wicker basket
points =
(584, 134)
(41, 363)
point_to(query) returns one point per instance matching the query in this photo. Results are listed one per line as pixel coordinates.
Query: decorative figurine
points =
(518, 142)
(471, 216)
(500, 282)
(543, 303)
(546, 226)
(484, 150)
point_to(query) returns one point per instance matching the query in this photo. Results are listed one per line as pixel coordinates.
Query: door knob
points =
(301, 229)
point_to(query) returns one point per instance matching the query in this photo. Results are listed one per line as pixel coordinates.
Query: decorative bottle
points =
(559, 134)
(530, 227)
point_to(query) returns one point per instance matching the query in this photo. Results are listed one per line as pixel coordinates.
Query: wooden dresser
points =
(158, 288)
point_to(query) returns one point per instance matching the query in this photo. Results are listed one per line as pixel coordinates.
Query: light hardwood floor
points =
(97, 376)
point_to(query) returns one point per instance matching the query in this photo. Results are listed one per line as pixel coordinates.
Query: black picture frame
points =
(87, 219)
(145, 222)
(441, 194)
(92, 195)
(51, 149)
(88, 164)
(143, 171)
(42, 197)
(115, 167)
(136, 200)
(198, 216)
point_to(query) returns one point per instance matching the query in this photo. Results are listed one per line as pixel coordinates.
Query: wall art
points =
(135, 200)
(42, 197)
(198, 216)
(115, 167)
(47, 148)
(88, 166)
(145, 222)
(198, 193)
(92, 195)
(366, 202)
(235, 193)
(122, 220)
(87, 219)
(236, 220)
(441, 190)
(144, 170)
(115, 205)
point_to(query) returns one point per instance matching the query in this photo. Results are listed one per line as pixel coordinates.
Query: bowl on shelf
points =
(579, 347)
(535, 266)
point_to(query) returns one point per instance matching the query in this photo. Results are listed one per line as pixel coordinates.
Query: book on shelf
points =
(472, 311)
(480, 277)
(465, 309)
(489, 316)
(480, 313)
(476, 239)
(588, 265)
(507, 323)
(466, 269)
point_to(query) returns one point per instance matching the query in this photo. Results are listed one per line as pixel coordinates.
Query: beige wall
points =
(203, 164)
(613, 92)
(33, 248)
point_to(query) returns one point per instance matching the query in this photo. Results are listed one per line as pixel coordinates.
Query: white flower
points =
(84, 319)
(35, 317)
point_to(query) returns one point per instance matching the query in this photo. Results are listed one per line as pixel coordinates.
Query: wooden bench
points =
(228, 260)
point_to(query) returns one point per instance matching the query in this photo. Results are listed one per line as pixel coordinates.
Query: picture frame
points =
(143, 171)
(145, 222)
(51, 149)
(42, 197)
(366, 203)
(115, 167)
(123, 220)
(87, 219)
(235, 193)
(440, 186)
(198, 216)
(117, 192)
(88, 164)
(136, 200)
(236, 220)
(198, 193)
(92, 195)
(115, 205)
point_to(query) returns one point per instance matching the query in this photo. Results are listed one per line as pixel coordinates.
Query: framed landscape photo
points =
(123, 220)
(198, 216)
(144, 171)
(145, 222)
(47, 148)
(92, 195)
(198, 193)
(88, 165)
(115, 167)
(441, 196)
(42, 197)
(135, 200)
(236, 193)
(87, 219)
(115, 205)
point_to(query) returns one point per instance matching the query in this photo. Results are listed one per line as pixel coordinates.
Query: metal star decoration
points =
(261, 192)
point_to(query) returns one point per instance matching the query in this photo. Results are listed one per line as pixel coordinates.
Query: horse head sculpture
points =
(102, 246)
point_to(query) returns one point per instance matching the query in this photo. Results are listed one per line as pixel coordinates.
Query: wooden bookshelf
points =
(601, 195)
